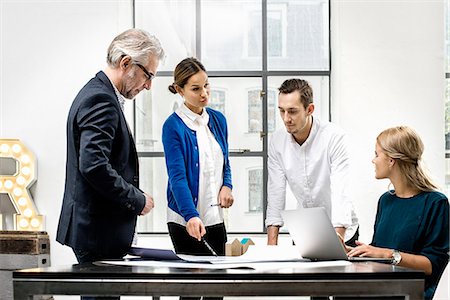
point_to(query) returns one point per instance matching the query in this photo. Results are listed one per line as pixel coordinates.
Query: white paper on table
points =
(263, 253)
(272, 253)
(173, 264)
(281, 267)
(257, 257)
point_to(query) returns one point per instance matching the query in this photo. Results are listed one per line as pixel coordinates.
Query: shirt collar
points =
(120, 97)
(312, 133)
(193, 116)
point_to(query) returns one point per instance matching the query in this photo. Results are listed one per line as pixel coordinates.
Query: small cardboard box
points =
(246, 242)
(236, 248)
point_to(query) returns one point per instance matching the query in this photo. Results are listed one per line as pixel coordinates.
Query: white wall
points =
(388, 70)
(387, 66)
(49, 50)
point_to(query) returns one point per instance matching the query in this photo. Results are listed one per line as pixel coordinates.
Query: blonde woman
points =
(412, 221)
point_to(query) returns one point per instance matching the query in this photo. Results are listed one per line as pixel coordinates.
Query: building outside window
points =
(255, 191)
(248, 49)
(255, 110)
(217, 100)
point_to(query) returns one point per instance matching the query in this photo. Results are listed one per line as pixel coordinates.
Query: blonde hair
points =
(405, 146)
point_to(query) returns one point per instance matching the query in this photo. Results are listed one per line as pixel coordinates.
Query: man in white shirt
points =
(312, 157)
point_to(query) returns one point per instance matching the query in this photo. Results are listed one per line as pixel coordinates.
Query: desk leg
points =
(155, 298)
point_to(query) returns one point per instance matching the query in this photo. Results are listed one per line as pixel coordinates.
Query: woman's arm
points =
(413, 261)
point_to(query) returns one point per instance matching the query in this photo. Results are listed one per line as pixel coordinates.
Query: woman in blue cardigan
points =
(412, 221)
(195, 142)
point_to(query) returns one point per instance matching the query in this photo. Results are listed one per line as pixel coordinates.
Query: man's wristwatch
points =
(396, 257)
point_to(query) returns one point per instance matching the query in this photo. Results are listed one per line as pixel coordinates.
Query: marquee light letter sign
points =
(17, 185)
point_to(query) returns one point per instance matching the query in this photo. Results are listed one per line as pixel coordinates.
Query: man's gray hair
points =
(136, 43)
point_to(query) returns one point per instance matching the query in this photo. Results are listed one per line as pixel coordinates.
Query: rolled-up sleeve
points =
(342, 206)
(276, 188)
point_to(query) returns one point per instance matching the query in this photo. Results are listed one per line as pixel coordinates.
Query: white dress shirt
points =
(120, 97)
(317, 172)
(211, 169)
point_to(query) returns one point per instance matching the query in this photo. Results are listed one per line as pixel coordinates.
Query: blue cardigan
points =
(182, 161)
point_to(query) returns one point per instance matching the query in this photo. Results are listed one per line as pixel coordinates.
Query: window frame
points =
(264, 74)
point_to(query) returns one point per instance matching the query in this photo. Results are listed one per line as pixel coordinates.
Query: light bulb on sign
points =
(8, 184)
(16, 148)
(17, 192)
(22, 201)
(26, 171)
(25, 159)
(4, 148)
(23, 223)
(35, 223)
(27, 213)
(20, 180)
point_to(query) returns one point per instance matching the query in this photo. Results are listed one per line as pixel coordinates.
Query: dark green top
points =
(417, 225)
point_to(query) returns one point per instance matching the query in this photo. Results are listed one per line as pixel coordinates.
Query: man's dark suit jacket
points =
(101, 199)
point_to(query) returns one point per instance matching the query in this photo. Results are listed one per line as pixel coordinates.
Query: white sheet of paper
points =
(257, 257)
(263, 253)
(271, 253)
(282, 267)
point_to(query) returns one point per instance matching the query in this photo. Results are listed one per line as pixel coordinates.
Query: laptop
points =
(315, 237)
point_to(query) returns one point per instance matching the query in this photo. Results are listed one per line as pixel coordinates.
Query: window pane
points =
(238, 95)
(152, 109)
(229, 95)
(298, 35)
(238, 218)
(447, 36)
(153, 181)
(247, 193)
(255, 190)
(173, 22)
(231, 35)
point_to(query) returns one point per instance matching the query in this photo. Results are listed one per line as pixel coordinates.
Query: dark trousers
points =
(84, 256)
(183, 243)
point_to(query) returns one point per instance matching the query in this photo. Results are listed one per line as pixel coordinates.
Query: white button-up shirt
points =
(211, 169)
(120, 97)
(317, 172)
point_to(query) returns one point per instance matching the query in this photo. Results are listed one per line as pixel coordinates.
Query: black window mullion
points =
(264, 105)
(264, 74)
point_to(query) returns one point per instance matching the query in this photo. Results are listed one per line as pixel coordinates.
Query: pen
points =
(215, 204)
(209, 247)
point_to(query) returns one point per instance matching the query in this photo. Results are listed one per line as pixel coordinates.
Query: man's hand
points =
(272, 235)
(149, 204)
(195, 228)
(225, 197)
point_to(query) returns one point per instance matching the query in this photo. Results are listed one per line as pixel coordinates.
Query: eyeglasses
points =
(149, 75)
